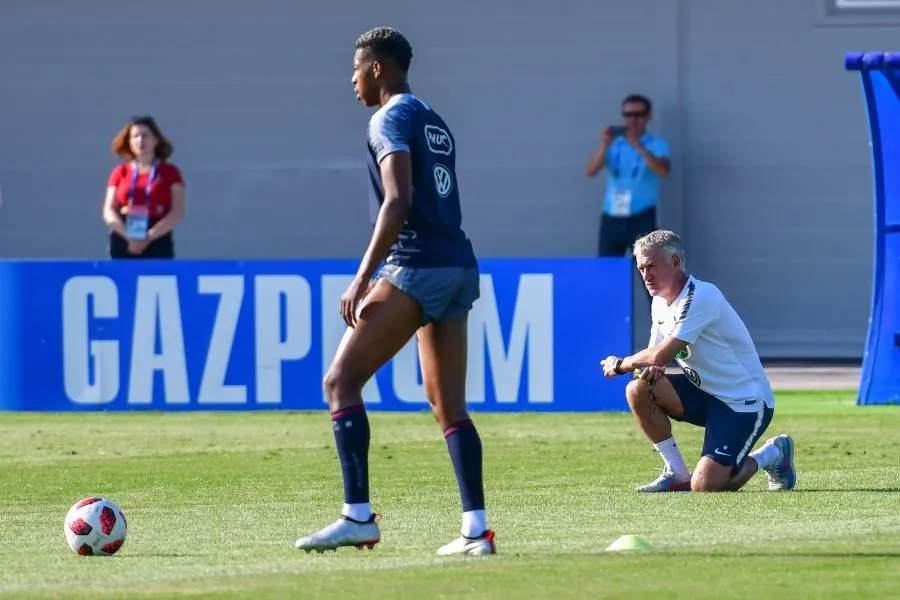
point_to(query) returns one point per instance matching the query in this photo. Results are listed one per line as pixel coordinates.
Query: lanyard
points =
(637, 165)
(134, 178)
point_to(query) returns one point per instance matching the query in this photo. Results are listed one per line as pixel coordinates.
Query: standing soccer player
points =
(426, 287)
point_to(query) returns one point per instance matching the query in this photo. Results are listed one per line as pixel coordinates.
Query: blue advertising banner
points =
(251, 335)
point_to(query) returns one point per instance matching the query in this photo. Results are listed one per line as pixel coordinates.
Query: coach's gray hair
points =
(661, 238)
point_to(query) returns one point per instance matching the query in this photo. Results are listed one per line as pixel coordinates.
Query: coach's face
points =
(365, 72)
(659, 271)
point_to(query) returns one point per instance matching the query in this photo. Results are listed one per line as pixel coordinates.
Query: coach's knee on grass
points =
(710, 476)
(637, 392)
(700, 483)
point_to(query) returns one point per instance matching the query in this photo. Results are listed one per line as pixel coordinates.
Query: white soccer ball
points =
(95, 527)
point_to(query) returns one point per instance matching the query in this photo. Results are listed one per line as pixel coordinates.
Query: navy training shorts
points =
(730, 435)
(444, 293)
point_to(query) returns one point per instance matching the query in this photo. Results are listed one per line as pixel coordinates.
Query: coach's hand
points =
(609, 366)
(650, 374)
(350, 299)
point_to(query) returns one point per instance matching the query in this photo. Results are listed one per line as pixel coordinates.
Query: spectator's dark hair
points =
(639, 98)
(387, 42)
(121, 145)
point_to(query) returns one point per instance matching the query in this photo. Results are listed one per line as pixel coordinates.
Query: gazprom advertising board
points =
(233, 335)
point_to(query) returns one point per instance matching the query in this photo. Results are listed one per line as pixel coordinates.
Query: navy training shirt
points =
(432, 235)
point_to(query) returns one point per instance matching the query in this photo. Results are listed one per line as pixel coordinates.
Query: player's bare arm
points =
(396, 172)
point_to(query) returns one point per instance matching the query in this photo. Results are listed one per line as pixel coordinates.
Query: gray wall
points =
(771, 184)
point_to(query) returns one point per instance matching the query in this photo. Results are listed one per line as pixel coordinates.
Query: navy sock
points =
(351, 435)
(465, 452)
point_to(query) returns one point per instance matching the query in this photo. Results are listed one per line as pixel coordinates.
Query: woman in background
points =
(145, 194)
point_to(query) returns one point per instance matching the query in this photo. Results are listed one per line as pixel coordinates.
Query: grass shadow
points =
(891, 490)
(801, 554)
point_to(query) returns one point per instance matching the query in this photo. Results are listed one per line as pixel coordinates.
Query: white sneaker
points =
(666, 482)
(343, 532)
(483, 544)
(781, 475)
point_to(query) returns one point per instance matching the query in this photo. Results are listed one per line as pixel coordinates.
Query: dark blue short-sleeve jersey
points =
(433, 234)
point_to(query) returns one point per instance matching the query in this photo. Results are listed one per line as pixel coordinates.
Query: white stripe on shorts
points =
(759, 419)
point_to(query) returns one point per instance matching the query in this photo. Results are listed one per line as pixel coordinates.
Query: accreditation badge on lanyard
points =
(621, 200)
(137, 221)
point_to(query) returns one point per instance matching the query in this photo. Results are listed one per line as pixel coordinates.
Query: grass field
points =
(215, 501)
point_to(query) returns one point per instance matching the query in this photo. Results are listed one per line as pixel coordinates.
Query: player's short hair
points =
(387, 42)
(661, 238)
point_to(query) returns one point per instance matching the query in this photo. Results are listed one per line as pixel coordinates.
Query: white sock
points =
(474, 523)
(767, 456)
(672, 456)
(358, 512)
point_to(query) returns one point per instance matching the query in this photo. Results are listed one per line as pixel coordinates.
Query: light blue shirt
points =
(628, 172)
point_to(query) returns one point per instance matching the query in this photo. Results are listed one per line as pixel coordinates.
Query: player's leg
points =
(653, 405)
(448, 295)
(726, 464)
(443, 355)
(388, 318)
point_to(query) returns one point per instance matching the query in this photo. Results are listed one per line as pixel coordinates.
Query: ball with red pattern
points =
(95, 527)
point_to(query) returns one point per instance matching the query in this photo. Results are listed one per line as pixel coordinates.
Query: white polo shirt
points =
(720, 357)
